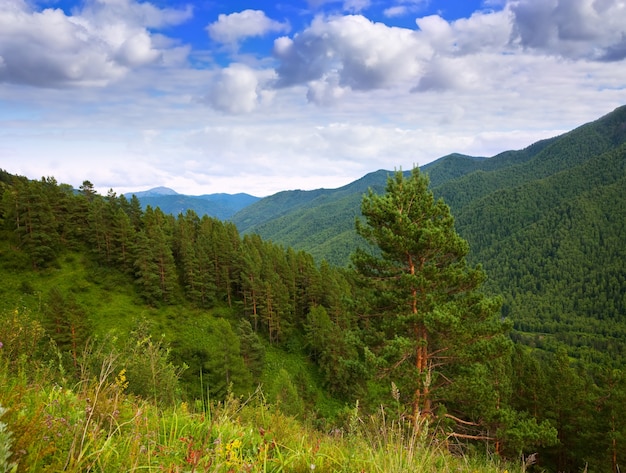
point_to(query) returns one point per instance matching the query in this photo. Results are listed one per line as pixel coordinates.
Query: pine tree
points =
(155, 268)
(427, 317)
(66, 322)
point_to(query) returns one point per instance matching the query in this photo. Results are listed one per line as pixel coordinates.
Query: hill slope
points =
(547, 223)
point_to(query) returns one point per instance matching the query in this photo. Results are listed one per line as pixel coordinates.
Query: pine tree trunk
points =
(421, 401)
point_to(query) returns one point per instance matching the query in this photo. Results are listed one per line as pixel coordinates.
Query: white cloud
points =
(233, 28)
(342, 53)
(404, 7)
(449, 74)
(593, 29)
(137, 50)
(356, 6)
(237, 89)
(94, 46)
(326, 91)
(339, 54)
(363, 55)
(131, 12)
(398, 10)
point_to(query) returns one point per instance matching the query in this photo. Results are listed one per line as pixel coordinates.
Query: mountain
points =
(221, 206)
(315, 220)
(154, 192)
(548, 223)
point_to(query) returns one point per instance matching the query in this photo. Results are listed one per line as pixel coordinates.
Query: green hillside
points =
(320, 221)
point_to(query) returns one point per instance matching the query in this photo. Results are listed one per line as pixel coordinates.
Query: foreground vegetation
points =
(88, 421)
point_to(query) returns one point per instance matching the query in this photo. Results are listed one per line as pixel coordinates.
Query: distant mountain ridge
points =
(154, 192)
(221, 206)
(322, 221)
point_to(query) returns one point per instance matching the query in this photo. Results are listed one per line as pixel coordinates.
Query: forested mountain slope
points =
(322, 221)
(547, 223)
(536, 162)
(555, 249)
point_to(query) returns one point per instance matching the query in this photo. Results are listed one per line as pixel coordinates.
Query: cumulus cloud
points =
(93, 46)
(591, 29)
(339, 54)
(325, 91)
(233, 28)
(359, 53)
(237, 89)
(449, 73)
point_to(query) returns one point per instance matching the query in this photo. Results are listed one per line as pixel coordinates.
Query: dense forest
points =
(197, 312)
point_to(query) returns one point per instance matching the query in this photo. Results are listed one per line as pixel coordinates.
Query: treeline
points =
(515, 400)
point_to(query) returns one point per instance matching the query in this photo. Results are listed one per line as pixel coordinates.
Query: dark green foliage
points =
(284, 393)
(155, 267)
(212, 352)
(252, 349)
(337, 352)
(28, 210)
(147, 367)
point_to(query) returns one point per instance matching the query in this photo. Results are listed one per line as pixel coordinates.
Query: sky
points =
(212, 96)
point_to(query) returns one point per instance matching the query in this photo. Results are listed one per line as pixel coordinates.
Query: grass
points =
(95, 425)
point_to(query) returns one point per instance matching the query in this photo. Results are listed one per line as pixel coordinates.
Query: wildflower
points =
(232, 450)
(395, 392)
(120, 380)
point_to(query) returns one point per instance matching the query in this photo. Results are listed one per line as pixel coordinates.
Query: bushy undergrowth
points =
(57, 419)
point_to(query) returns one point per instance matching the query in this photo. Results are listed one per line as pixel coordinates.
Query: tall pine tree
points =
(427, 318)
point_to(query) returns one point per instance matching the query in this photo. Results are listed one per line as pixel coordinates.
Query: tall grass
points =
(88, 421)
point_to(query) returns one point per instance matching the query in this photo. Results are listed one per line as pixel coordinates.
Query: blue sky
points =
(238, 96)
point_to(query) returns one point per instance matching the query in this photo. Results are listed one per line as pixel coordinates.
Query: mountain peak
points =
(156, 191)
